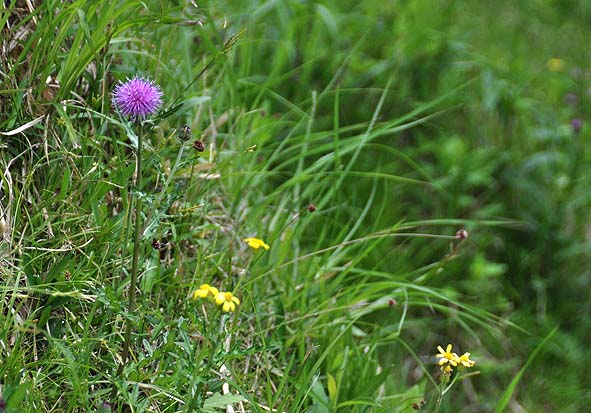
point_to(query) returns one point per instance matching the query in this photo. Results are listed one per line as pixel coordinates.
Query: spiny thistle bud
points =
(199, 146)
(184, 132)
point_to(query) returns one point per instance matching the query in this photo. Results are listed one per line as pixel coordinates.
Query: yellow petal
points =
(220, 298)
(236, 300)
(256, 243)
(252, 242)
(200, 293)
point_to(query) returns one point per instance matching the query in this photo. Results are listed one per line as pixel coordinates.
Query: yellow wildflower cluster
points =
(256, 243)
(449, 360)
(224, 299)
(205, 291)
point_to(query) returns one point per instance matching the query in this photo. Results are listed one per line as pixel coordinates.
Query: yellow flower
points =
(227, 301)
(447, 369)
(256, 243)
(555, 64)
(465, 361)
(447, 356)
(204, 291)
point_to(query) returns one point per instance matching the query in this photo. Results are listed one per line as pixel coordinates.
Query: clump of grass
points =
(323, 135)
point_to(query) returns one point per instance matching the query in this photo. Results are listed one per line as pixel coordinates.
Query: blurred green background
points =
(511, 144)
(511, 85)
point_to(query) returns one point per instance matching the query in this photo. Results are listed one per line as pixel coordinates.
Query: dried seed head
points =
(462, 234)
(199, 146)
(419, 405)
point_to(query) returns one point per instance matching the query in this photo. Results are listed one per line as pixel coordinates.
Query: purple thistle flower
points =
(576, 124)
(137, 98)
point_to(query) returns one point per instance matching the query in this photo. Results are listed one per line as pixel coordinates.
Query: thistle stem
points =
(136, 243)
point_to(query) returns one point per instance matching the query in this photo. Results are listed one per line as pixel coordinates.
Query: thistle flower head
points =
(137, 98)
(576, 125)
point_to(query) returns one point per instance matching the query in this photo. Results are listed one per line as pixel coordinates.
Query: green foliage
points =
(401, 122)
